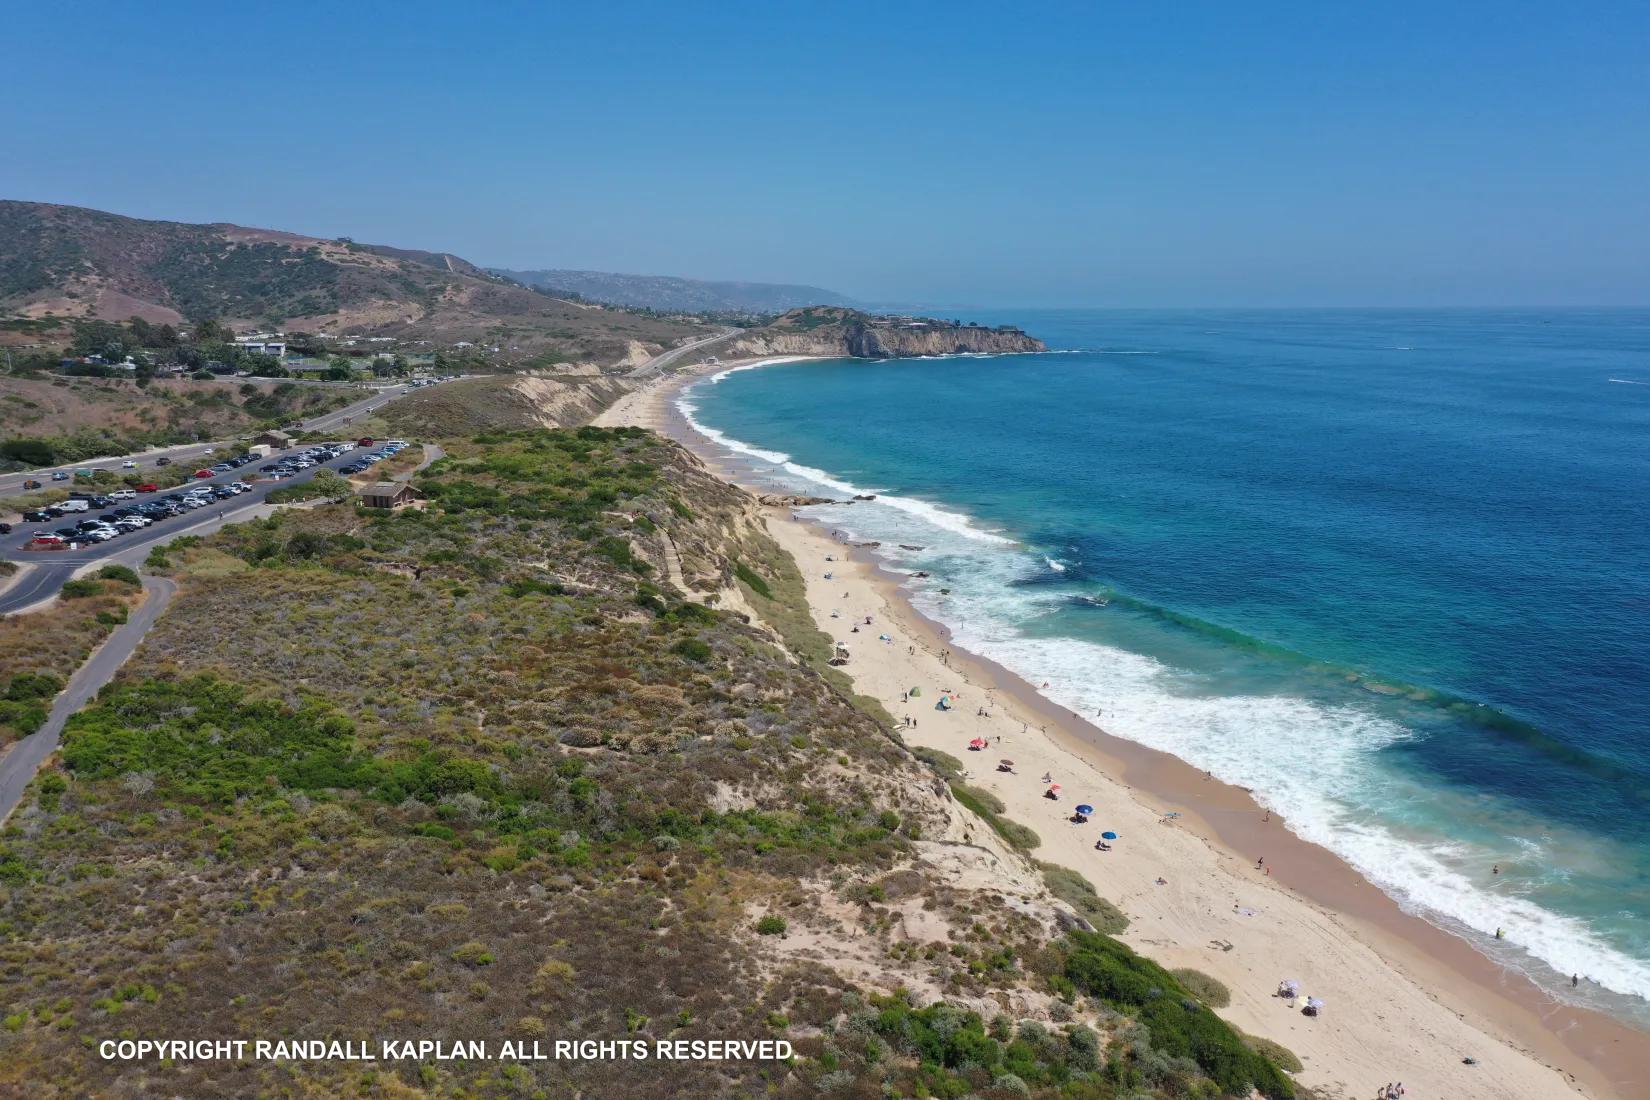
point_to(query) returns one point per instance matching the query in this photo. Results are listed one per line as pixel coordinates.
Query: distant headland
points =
(837, 331)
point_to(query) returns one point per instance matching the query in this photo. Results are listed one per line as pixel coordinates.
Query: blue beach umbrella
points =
(1085, 809)
(1109, 835)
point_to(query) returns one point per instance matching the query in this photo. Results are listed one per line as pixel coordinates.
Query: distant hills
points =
(71, 262)
(670, 294)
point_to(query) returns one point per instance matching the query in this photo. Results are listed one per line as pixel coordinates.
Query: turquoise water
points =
(1387, 569)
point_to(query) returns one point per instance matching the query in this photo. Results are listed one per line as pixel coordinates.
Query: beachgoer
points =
(1161, 881)
(1259, 863)
(1268, 816)
(1495, 870)
(1499, 934)
(1572, 981)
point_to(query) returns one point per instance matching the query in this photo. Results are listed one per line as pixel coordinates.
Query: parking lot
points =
(98, 526)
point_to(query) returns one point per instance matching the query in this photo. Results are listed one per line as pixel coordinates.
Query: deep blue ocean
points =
(1388, 569)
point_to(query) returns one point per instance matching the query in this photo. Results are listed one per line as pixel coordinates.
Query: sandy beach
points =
(1405, 1001)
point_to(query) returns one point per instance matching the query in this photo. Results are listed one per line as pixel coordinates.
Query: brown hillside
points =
(72, 262)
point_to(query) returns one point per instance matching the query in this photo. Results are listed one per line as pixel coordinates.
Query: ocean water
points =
(1388, 569)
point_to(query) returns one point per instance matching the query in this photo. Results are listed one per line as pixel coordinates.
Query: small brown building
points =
(391, 495)
(275, 440)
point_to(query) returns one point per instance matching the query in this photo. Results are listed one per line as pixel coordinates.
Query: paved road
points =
(13, 483)
(667, 359)
(19, 763)
(45, 571)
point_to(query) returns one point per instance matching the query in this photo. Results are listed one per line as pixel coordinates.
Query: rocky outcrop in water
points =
(829, 330)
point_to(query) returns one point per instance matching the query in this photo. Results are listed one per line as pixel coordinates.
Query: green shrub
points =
(473, 954)
(1180, 1027)
(1276, 1053)
(1076, 891)
(33, 685)
(692, 649)
(1211, 991)
(122, 573)
(78, 589)
(771, 925)
(752, 580)
(990, 807)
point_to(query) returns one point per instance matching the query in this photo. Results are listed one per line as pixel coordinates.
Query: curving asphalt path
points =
(23, 759)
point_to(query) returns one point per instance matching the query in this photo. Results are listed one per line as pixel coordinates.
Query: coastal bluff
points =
(835, 331)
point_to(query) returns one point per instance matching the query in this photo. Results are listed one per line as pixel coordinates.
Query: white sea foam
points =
(1317, 765)
(1055, 565)
(1314, 764)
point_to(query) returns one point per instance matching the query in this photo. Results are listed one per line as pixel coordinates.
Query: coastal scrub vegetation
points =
(438, 772)
(39, 651)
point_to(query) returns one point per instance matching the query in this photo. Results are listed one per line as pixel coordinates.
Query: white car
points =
(128, 465)
(123, 494)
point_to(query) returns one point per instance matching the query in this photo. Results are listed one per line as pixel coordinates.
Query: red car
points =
(203, 473)
(363, 442)
(148, 488)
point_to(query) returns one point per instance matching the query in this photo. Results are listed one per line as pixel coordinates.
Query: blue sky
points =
(1105, 154)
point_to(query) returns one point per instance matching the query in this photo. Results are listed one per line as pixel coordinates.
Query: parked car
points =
(5, 528)
(60, 475)
(123, 494)
(222, 468)
(363, 442)
(203, 473)
(37, 517)
(163, 461)
(148, 487)
(128, 465)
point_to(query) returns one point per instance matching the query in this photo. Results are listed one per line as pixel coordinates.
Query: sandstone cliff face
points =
(824, 331)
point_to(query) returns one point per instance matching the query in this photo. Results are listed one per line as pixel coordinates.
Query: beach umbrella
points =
(914, 692)
(1010, 763)
(1109, 835)
(1054, 786)
(1085, 809)
(978, 743)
